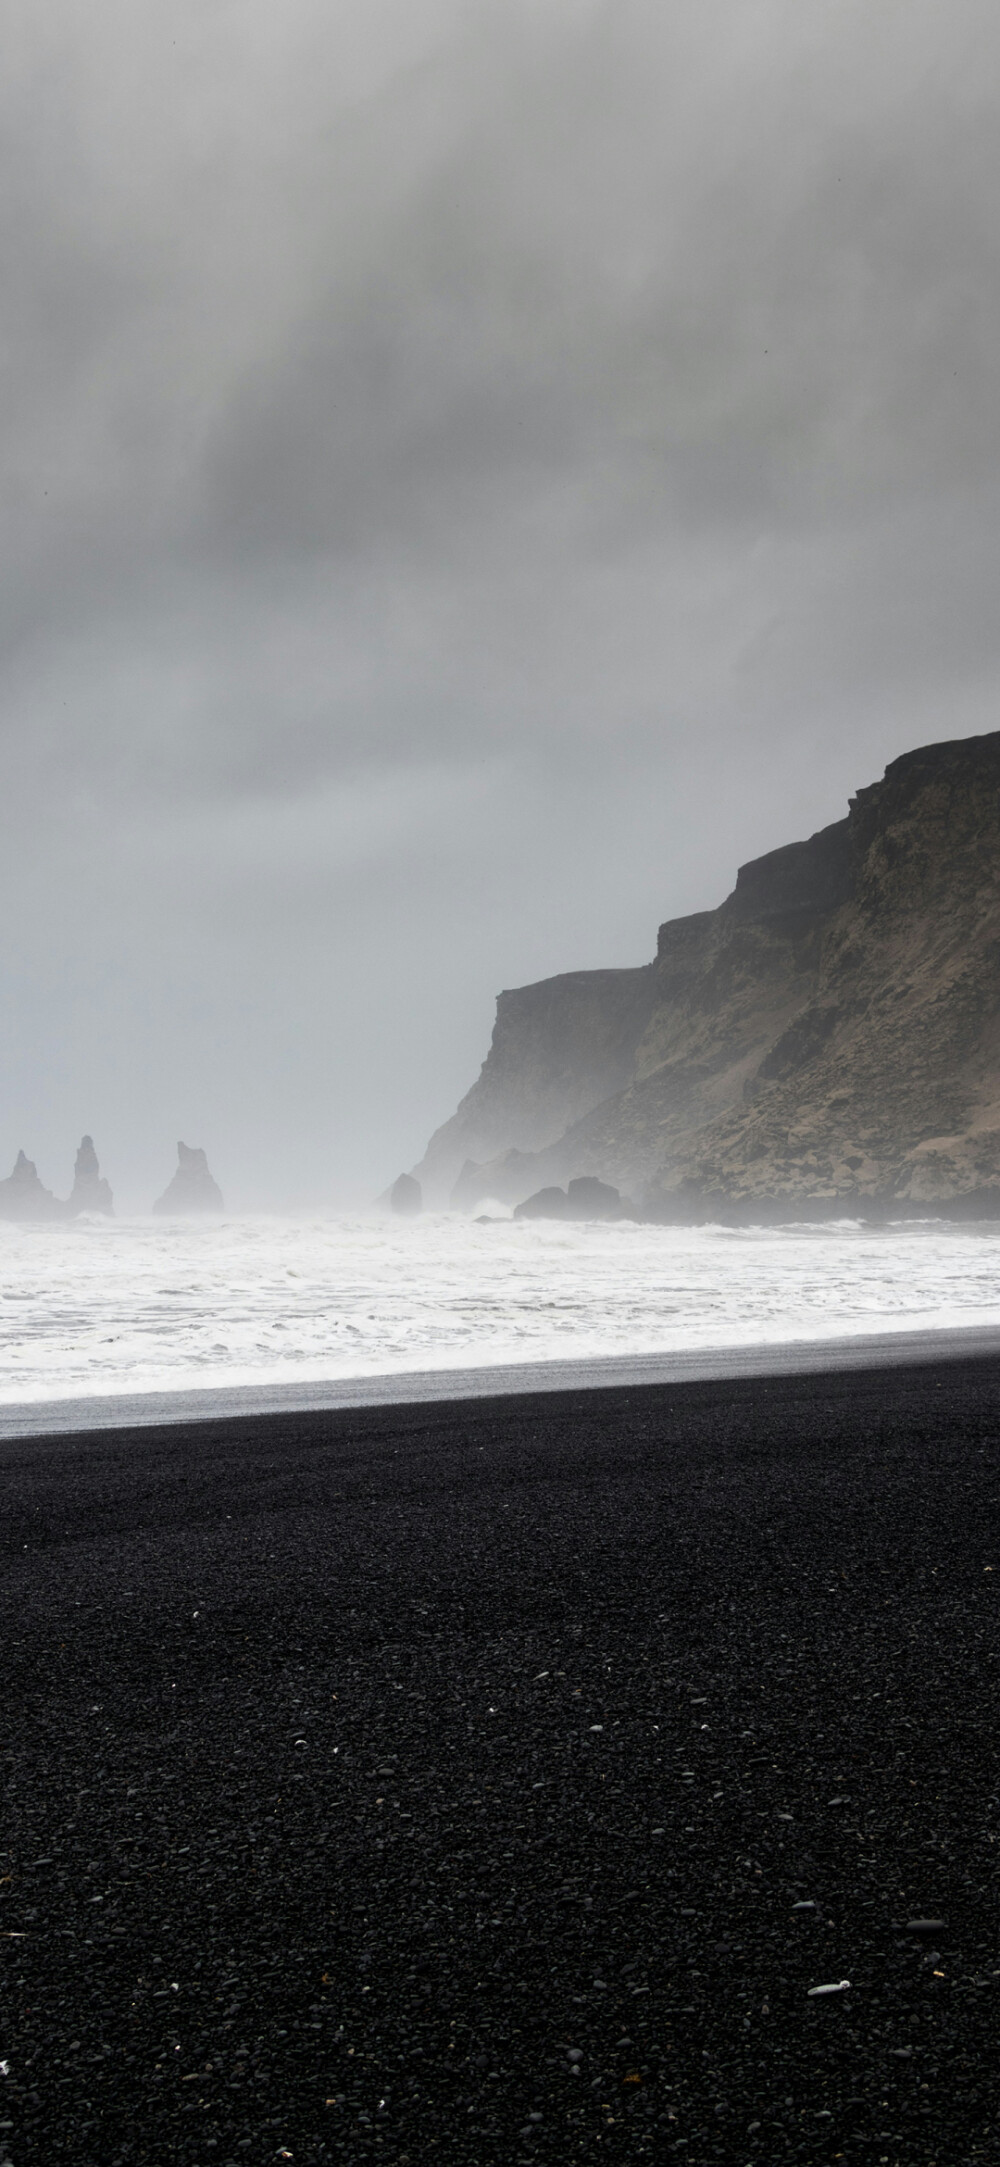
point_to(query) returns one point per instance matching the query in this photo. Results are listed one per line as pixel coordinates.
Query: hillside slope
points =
(828, 1037)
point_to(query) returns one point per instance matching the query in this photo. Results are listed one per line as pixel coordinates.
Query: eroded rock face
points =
(405, 1196)
(192, 1189)
(827, 1039)
(559, 1048)
(883, 1087)
(90, 1191)
(22, 1195)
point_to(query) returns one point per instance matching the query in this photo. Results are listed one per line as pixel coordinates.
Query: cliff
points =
(827, 1039)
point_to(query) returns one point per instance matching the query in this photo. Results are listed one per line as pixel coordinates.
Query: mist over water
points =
(140, 1305)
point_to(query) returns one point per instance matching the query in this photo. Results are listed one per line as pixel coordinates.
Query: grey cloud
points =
(473, 473)
(784, 314)
(729, 290)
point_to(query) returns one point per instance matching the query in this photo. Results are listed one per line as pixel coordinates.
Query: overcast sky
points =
(472, 475)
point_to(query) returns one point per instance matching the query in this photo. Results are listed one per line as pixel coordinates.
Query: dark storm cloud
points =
(472, 473)
(766, 311)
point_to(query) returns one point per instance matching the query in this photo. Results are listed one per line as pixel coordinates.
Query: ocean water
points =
(135, 1306)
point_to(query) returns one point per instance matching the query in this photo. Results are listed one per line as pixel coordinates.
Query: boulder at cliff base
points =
(545, 1204)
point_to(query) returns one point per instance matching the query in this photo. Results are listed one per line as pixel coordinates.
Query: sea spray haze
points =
(474, 475)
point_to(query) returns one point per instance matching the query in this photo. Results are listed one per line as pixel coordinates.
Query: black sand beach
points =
(493, 1782)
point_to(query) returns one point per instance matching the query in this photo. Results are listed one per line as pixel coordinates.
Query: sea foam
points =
(152, 1306)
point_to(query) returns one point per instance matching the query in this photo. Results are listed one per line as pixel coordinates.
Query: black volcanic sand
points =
(439, 1784)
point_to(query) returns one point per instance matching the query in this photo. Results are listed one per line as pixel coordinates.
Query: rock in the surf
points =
(585, 1198)
(90, 1191)
(588, 1198)
(192, 1189)
(548, 1203)
(23, 1196)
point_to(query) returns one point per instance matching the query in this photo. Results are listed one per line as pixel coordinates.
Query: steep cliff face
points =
(558, 1049)
(887, 1082)
(830, 1034)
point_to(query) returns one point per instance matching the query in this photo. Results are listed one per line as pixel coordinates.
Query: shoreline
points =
(504, 1380)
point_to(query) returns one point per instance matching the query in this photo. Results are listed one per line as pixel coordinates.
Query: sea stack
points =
(90, 1191)
(406, 1196)
(22, 1195)
(192, 1189)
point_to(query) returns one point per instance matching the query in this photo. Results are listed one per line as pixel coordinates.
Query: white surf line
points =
(127, 1410)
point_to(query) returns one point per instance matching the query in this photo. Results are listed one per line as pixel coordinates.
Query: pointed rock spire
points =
(90, 1191)
(22, 1195)
(192, 1188)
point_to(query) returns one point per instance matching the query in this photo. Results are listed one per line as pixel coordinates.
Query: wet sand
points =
(493, 1781)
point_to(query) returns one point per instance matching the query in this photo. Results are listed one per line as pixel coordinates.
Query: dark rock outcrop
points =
(584, 1198)
(90, 1191)
(22, 1195)
(192, 1189)
(545, 1204)
(406, 1196)
(827, 1039)
(589, 1198)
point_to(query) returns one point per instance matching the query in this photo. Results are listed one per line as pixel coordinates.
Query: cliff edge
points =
(827, 1039)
